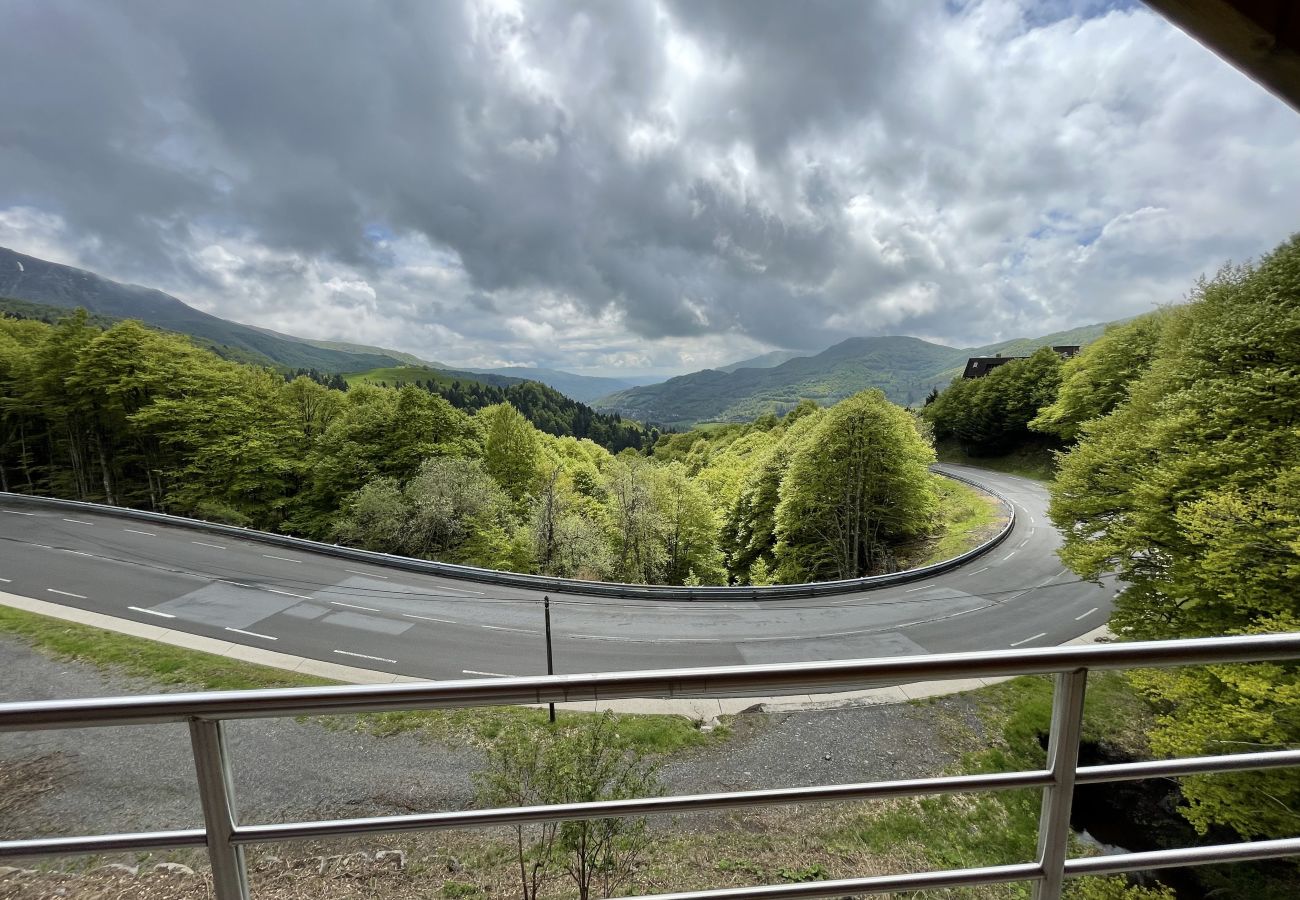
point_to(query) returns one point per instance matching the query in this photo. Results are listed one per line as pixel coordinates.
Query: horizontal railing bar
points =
(104, 843)
(1186, 856)
(640, 806)
(876, 884)
(1192, 765)
(717, 681)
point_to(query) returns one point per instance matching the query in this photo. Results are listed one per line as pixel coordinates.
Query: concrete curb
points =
(700, 709)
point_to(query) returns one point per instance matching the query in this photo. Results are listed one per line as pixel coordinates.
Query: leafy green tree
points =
(634, 520)
(991, 415)
(1188, 491)
(1098, 379)
(857, 483)
(688, 528)
(511, 449)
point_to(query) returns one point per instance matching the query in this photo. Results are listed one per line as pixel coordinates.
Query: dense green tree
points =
(1098, 379)
(991, 415)
(511, 449)
(1188, 492)
(857, 483)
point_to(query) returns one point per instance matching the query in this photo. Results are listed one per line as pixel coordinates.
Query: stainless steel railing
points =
(225, 839)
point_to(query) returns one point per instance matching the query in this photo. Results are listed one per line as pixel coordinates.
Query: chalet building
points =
(979, 366)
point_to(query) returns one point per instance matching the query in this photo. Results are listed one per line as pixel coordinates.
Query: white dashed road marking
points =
(364, 656)
(976, 572)
(65, 594)
(14, 512)
(152, 612)
(7, 580)
(288, 594)
(921, 588)
(1008, 556)
(430, 619)
(78, 522)
(1088, 613)
(353, 605)
(367, 574)
(206, 544)
(492, 674)
(145, 533)
(1028, 639)
(281, 558)
(251, 633)
(504, 628)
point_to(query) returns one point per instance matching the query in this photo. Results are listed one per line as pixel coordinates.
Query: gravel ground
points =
(130, 779)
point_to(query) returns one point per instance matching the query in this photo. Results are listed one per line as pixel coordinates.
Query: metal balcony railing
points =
(225, 838)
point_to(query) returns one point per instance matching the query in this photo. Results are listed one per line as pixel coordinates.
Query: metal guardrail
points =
(225, 838)
(543, 583)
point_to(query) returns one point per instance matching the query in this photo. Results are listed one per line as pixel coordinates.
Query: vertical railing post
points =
(1063, 763)
(217, 795)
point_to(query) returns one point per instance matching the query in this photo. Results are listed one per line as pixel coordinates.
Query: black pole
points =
(550, 658)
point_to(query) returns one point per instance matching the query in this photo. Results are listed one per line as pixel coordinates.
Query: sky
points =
(637, 187)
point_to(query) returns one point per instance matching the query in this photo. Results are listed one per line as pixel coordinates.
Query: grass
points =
(1037, 462)
(966, 517)
(176, 666)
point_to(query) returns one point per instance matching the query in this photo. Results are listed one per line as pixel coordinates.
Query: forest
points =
(132, 416)
(1179, 472)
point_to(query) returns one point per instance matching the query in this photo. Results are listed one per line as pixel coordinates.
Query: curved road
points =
(406, 623)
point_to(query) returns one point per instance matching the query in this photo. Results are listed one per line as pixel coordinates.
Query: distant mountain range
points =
(37, 281)
(905, 368)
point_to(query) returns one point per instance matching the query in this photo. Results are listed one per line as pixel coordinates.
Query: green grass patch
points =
(966, 518)
(176, 666)
(1037, 462)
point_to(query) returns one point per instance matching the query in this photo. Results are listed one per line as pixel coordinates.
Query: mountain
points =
(583, 388)
(905, 368)
(764, 361)
(35, 280)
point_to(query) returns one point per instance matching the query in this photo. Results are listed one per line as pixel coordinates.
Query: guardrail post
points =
(1062, 762)
(216, 793)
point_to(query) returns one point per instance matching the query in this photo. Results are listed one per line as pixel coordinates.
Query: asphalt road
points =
(1018, 595)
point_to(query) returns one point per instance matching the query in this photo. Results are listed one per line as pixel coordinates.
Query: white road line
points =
(251, 633)
(78, 522)
(1031, 521)
(363, 656)
(77, 552)
(14, 512)
(7, 580)
(43, 546)
(288, 594)
(921, 588)
(65, 594)
(367, 574)
(430, 619)
(1028, 639)
(1022, 543)
(504, 628)
(493, 674)
(146, 533)
(352, 605)
(281, 558)
(1088, 613)
(603, 637)
(152, 612)
(206, 544)
(235, 583)
(443, 587)
(985, 569)
(1008, 556)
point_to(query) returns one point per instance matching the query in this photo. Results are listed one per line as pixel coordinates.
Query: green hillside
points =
(905, 368)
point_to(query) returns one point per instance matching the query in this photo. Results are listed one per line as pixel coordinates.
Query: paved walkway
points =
(702, 708)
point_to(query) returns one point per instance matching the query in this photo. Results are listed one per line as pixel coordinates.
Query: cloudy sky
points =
(637, 186)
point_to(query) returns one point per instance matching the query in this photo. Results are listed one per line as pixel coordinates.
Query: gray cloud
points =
(637, 185)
